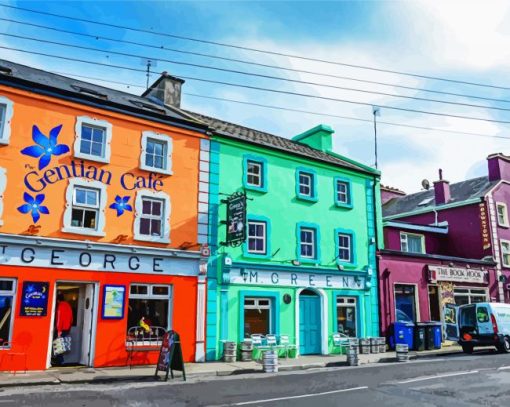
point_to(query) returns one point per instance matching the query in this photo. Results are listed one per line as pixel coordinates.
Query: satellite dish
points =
(425, 184)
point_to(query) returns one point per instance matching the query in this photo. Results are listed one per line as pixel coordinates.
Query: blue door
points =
(309, 323)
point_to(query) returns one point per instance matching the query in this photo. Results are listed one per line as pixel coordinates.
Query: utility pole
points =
(376, 112)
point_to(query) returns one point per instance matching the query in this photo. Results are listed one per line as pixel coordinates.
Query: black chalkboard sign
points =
(236, 219)
(170, 355)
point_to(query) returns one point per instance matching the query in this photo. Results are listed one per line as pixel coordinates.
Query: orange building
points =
(103, 204)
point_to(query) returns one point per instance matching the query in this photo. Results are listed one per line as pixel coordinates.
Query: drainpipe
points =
(435, 215)
(376, 255)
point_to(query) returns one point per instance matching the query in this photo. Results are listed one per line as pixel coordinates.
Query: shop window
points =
(343, 193)
(257, 316)
(7, 301)
(156, 155)
(152, 216)
(464, 296)
(255, 173)
(346, 310)
(84, 213)
(405, 303)
(412, 243)
(502, 211)
(505, 252)
(306, 184)
(6, 110)
(435, 313)
(149, 306)
(93, 138)
(257, 237)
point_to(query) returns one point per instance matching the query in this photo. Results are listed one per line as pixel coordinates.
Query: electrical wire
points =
(222, 58)
(244, 48)
(244, 86)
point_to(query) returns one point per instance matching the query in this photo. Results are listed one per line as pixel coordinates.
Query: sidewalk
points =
(211, 369)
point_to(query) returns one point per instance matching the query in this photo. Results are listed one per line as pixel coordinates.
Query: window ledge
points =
(503, 225)
(256, 255)
(89, 157)
(312, 199)
(308, 261)
(256, 189)
(346, 264)
(156, 170)
(343, 205)
(152, 239)
(4, 142)
(83, 231)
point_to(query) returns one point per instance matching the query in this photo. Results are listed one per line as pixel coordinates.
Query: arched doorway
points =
(309, 323)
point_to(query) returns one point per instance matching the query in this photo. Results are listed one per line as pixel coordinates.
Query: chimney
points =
(388, 193)
(499, 167)
(442, 190)
(167, 89)
(319, 138)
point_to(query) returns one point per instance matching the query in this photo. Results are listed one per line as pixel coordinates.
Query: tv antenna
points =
(149, 63)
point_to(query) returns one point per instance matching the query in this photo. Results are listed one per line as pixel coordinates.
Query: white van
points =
(480, 324)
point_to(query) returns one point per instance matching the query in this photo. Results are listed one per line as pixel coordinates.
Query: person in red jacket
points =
(63, 322)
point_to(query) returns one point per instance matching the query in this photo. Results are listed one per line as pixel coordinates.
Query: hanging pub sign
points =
(170, 355)
(34, 299)
(236, 219)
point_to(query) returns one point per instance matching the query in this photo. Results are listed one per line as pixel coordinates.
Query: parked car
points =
(480, 324)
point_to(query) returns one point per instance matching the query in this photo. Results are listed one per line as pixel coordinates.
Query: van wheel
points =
(467, 349)
(505, 347)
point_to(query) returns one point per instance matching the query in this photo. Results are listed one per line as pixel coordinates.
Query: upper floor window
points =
(502, 214)
(307, 243)
(84, 213)
(93, 138)
(412, 243)
(505, 252)
(254, 173)
(257, 237)
(156, 155)
(343, 192)
(308, 249)
(306, 184)
(152, 216)
(344, 247)
(6, 110)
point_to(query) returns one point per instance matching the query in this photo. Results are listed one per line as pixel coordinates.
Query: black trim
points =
(436, 257)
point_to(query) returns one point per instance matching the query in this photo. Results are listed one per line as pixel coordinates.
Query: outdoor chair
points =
(258, 346)
(138, 340)
(286, 345)
(340, 341)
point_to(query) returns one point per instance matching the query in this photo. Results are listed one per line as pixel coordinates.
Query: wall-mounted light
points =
(340, 267)
(450, 264)
(296, 262)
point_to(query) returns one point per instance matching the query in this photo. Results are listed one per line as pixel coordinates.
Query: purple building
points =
(447, 244)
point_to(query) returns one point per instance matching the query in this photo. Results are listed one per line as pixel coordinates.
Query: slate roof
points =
(36, 79)
(460, 192)
(276, 142)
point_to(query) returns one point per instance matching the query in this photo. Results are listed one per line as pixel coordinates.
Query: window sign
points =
(113, 301)
(236, 219)
(34, 299)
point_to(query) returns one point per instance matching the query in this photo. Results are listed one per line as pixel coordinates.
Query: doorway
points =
(309, 323)
(80, 297)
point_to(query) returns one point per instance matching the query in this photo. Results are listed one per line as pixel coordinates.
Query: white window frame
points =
(151, 296)
(470, 294)
(260, 166)
(308, 176)
(502, 222)
(403, 241)
(346, 193)
(89, 121)
(506, 251)
(163, 138)
(313, 244)
(165, 226)
(256, 306)
(103, 199)
(3, 186)
(263, 238)
(12, 292)
(347, 302)
(5, 125)
(349, 248)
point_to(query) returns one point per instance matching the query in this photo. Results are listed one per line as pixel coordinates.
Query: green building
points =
(307, 268)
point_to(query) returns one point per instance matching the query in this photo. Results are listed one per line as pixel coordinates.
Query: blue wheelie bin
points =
(401, 333)
(433, 335)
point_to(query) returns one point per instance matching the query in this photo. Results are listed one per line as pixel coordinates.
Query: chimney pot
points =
(499, 167)
(166, 89)
(442, 190)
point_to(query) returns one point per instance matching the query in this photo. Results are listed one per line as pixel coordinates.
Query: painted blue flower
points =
(45, 146)
(34, 206)
(121, 205)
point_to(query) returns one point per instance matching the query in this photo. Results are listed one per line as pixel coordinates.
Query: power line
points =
(130, 55)
(164, 48)
(401, 109)
(240, 47)
(298, 110)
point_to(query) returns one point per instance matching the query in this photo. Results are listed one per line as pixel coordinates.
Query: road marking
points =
(504, 368)
(324, 393)
(419, 379)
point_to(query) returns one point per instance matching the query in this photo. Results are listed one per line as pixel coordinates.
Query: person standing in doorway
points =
(63, 322)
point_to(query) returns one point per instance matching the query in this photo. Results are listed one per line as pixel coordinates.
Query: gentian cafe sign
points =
(37, 180)
(236, 219)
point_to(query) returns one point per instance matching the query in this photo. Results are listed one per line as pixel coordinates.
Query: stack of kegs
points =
(270, 361)
(382, 345)
(374, 345)
(364, 346)
(402, 352)
(246, 350)
(352, 352)
(229, 351)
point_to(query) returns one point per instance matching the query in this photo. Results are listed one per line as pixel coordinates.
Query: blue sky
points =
(462, 40)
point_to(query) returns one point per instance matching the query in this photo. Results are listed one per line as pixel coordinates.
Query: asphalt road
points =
(457, 380)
